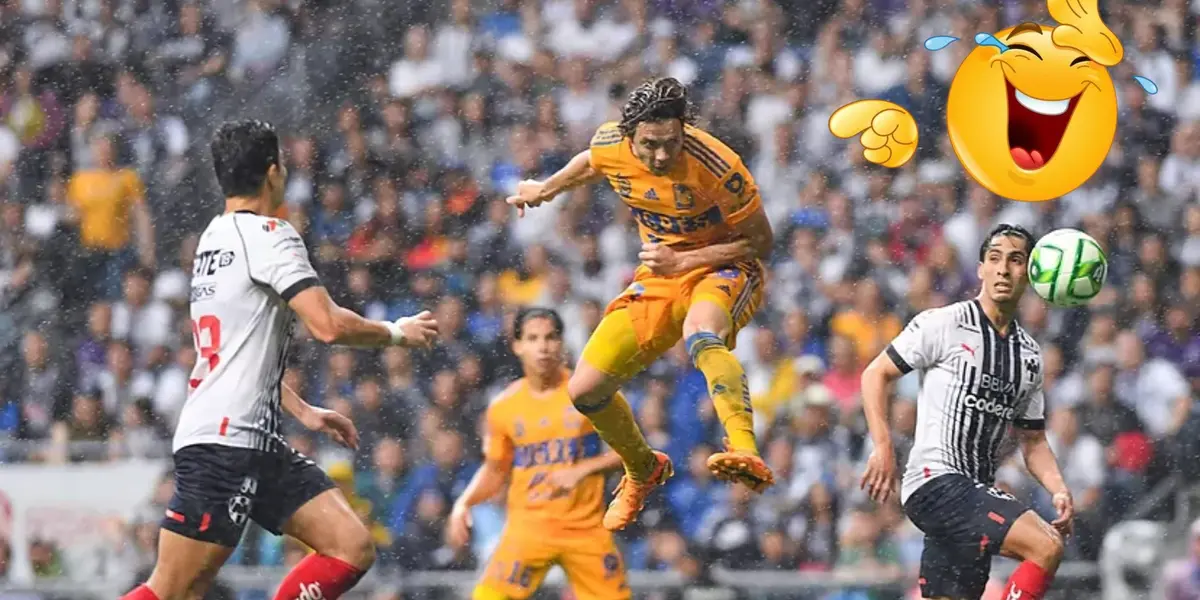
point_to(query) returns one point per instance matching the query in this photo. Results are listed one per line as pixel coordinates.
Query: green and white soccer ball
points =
(1067, 267)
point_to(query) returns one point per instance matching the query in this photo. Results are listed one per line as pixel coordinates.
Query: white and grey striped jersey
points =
(975, 383)
(247, 268)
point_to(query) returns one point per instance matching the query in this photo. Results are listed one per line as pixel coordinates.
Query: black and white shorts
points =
(220, 489)
(965, 523)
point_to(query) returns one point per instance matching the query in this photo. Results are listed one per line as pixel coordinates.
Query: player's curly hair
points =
(658, 99)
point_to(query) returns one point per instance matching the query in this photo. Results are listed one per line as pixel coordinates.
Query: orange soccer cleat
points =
(631, 495)
(741, 467)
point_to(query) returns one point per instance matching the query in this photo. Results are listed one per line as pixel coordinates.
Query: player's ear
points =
(274, 175)
(979, 270)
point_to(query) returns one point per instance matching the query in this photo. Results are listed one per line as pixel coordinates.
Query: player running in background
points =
(554, 463)
(232, 466)
(980, 373)
(704, 232)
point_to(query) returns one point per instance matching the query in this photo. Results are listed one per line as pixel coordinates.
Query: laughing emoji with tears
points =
(1032, 110)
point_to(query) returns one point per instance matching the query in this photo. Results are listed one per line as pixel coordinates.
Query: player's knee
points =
(701, 340)
(360, 550)
(1045, 548)
(707, 317)
(1050, 552)
(587, 392)
(354, 546)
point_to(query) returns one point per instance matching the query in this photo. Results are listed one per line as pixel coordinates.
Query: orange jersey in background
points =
(696, 204)
(537, 436)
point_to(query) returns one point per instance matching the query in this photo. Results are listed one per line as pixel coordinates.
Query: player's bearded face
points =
(1003, 270)
(658, 144)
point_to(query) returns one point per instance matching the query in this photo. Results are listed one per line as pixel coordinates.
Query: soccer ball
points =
(1067, 267)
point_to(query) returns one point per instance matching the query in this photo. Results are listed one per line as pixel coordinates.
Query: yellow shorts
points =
(589, 557)
(656, 308)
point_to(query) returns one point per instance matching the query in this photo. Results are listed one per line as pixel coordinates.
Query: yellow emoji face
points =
(1030, 120)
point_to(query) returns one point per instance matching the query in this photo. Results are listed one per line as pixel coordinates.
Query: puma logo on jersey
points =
(1014, 594)
(311, 591)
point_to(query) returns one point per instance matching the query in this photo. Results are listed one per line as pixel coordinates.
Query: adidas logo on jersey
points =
(311, 591)
(651, 195)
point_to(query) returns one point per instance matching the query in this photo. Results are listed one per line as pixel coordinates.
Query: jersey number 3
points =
(207, 332)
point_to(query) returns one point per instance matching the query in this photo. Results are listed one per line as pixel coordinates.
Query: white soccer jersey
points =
(247, 268)
(974, 384)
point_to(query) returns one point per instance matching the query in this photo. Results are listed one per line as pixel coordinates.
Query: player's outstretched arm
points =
(333, 324)
(578, 171)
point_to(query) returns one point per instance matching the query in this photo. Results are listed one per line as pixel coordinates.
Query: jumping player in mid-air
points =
(980, 373)
(554, 464)
(704, 232)
(251, 273)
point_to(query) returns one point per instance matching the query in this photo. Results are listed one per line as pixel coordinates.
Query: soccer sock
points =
(318, 577)
(1028, 582)
(140, 593)
(616, 425)
(727, 386)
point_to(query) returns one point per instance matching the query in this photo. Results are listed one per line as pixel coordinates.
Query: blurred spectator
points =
(111, 204)
(1179, 576)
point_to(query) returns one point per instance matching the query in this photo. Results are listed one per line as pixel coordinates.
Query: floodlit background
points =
(407, 122)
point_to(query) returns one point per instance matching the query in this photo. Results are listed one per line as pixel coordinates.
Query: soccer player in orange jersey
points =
(554, 463)
(704, 234)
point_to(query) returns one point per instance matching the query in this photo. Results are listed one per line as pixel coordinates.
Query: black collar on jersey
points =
(244, 211)
(988, 322)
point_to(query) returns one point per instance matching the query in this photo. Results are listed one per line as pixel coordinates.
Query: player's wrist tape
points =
(397, 333)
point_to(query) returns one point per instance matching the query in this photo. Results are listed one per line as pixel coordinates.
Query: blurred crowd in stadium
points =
(406, 123)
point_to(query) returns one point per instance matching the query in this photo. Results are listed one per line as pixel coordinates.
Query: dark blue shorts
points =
(965, 523)
(219, 489)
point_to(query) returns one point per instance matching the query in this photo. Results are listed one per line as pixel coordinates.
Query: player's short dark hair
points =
(242, 152)
(659, 99)
(1007, 230)
(528, 314)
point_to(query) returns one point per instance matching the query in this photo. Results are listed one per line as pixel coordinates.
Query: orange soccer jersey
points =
(697, 204)
(537, 436)
(694, 205)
